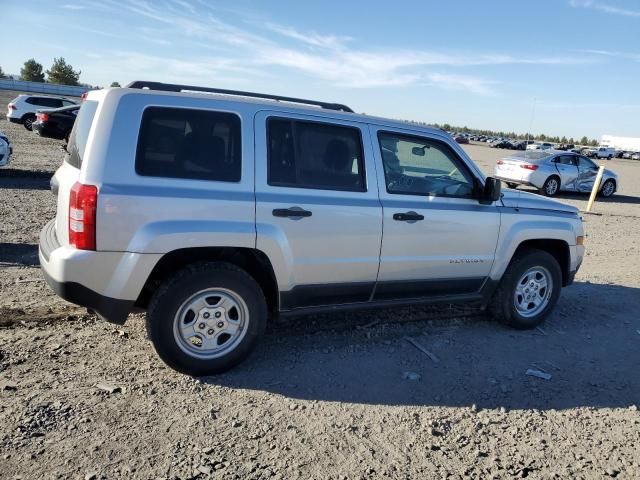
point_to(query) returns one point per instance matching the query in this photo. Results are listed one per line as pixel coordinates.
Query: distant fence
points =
(39, 87)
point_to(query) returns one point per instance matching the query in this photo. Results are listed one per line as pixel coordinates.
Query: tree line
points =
(541, 137)
(60, 73)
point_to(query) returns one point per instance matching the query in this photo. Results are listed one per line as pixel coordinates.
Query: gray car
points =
(554, 171)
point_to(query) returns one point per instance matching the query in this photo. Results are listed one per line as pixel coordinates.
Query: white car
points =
(5, 150)
(540, 146)
(604, 152)
(22, 109)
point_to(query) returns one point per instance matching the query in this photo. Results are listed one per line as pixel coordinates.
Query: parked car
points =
(627, 154)
(22, 109)
(540, 146)
(6, 150)
(215, 213)
(462, 140)
(56, 123)
(635, 156)
(604, 152)
(565, 146)
(552, 172)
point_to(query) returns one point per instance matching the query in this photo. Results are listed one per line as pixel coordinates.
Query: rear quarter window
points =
(80, 133)
(190, 144)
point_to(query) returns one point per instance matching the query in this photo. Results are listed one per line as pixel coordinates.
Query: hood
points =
(518, 199)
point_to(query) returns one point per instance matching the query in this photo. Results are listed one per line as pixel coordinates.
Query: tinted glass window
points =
(314, 155)
(586, 163)
(196, 144)
(80, 133)
(566, 160)
(44, 102)
(420, 166)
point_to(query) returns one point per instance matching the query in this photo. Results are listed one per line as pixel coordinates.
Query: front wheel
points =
(551, 186)
(528, 291)
(608, 188)
(207, 318)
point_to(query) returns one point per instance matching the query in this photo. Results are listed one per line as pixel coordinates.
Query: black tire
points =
(27, 121)
(547, 188)
(173, 293)
(512, 185)
(502, 306)
(606, 191)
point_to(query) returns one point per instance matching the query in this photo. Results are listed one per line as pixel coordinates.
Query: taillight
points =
(82, 216)
(83, 97)
(11, 106)
(42, 117)
(500, 162)
(528, 166)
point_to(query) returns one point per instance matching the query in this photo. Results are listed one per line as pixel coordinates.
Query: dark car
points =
(56, 123)
(462, 140)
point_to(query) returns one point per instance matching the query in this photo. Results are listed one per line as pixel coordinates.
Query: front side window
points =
(587, 163)
(194, 144)
(566, 160)
(314, 155)
(421, 166)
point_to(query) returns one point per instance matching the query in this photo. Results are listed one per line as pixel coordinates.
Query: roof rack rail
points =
(170, 87)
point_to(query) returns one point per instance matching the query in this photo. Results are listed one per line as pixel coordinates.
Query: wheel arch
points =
(253, 261)
(559, 249)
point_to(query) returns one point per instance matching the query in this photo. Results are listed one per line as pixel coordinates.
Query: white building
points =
(621, 143)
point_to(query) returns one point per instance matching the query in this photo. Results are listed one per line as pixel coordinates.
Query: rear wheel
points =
(608, 188)
(528, 291)
(551, 186)
(207, 318)
(27, 121)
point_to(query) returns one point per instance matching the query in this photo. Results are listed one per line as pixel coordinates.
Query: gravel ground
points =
(335, 396)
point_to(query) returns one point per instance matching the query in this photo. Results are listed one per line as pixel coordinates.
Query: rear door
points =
(568, 169)
(318, 215)
(438, 240)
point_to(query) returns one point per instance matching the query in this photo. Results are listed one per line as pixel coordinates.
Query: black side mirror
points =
(490, 191)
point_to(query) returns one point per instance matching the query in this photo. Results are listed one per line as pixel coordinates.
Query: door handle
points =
(408, 217)
(291, 212)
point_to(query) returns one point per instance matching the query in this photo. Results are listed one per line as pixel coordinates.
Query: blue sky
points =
(472, 63)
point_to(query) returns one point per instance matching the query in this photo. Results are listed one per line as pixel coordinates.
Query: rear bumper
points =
(13, 119)
(107, 282)
(112, 310)
(46, 130)
(514, 180)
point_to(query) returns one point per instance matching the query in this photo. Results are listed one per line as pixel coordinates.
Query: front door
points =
(318, 215)
(587, 172)
(438, 240)
(567, 166)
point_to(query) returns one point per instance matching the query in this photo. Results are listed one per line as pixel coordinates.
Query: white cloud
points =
(604, 7)
(327, 57)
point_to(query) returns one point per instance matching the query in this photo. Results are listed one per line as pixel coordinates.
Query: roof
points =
(274, 102)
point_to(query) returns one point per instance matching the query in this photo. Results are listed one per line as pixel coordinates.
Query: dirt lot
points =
(340, 396)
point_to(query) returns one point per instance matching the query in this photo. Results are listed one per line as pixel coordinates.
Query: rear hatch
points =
(69, 173)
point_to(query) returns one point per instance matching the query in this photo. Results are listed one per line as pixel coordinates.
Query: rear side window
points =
(314, 155)
(194, 144)
(45, 102)
(80, 133)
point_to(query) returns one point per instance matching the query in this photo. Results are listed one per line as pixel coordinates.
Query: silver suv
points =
(215, 210)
